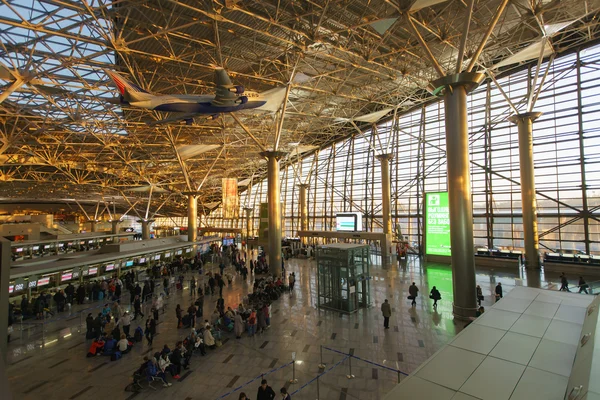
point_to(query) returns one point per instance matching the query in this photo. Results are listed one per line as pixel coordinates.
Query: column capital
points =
(525, 116)
(384, 157)
(248, 210)
(303, 185)
(276, 154)
(148, 221)
(115, 221)
(468, 80)
(193, 193)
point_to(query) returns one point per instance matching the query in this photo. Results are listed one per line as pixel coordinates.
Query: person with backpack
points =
(192, 315)
(138, 334)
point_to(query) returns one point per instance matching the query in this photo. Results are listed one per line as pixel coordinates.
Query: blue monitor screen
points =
(129, 264)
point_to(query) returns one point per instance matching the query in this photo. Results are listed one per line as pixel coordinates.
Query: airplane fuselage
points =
(197, 104)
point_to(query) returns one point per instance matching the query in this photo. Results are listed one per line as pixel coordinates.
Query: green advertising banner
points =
(437, 224)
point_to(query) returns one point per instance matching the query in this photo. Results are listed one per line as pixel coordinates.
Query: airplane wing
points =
(226, 92)
(175, 118)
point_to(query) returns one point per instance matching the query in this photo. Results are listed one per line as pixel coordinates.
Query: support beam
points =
(434, 62)
(274, 201)
(93, 225)
(528, 200)
(303, 209)
(386, 192)
(146, 228)
(114, 226)
(487, 35)
(455, 89)
(192, 217)
(5, 262)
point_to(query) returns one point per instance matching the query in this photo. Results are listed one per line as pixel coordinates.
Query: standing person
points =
(435, 296)
(564, 283)
(70, 291)
(498, 291)
(221, 267)
(221, 283)
(125, 321)
(193, 286)
(413, 290)
(386, 310)
(284, 394)
(238, 325)
(166, 285)
(583, 287)
(137, 307)
(479, 295)
(242, 396)
(265, 392)
(59, 299)
(251, 267)
(192, 314)
(150, 330)
(178, 312)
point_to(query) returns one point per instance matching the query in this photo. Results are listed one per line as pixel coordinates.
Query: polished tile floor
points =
(54, 366)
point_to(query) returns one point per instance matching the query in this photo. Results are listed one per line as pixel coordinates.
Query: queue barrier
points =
(261, 376)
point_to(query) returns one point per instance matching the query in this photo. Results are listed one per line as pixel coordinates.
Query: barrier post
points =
(318, 394)
(322, 365)
(293, 380)
(350, 376)
(398, 376)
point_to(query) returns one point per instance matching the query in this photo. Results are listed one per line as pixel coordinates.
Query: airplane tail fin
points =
(129, 91)
(274, 98)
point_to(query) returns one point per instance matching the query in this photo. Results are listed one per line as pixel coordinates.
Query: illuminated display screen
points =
(90, 241)
(36, 247)
(178, 252)
(43, 281)
(19, 286)
(61, 244)
(11, 288)
(157, 257)
(437, 224)
(75, 274)
(169, 254)
(82, 242)
(228, 241)
(141, 260)
(20, 249)
(129, 264)
(66, 276)
(110, 267)
(93, 271)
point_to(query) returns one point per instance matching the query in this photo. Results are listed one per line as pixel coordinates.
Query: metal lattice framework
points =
(347, 63)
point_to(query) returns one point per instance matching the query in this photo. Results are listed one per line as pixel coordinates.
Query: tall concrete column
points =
(93, 225)
(248, 211)
(192, 228)
(386, 192)
(114, 226)
(274, 200)
(303, 209)
(528, 200)
(454, 89)
(146, 228)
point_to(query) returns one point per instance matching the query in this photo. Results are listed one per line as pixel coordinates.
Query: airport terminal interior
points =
(307, 199)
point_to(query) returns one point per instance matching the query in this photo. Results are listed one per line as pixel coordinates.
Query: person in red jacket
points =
(96, 348)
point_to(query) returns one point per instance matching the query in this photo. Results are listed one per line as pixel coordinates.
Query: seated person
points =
(166, 350)
(110, 346)
(124, 345)
(165, 365)
(95, 348)
(153, 370)
(209, 340)
(199, 345)
(178, 358)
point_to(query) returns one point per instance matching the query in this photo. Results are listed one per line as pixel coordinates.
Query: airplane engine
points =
(241, 100)
(238, 89)
(189, 121)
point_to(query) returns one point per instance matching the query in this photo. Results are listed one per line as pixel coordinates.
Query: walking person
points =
(193, 286)
(178, 312)
(125, 321)
(435, 296)
(137, 307)
(479, 295)
(265, 392)
(150, 330)
(238, 325)
(386, 310)
(583, 287)
(413, 291)
(498, 291)
(284, 394)
(564, 283)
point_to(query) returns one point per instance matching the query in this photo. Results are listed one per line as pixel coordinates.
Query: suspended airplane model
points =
(228, 98)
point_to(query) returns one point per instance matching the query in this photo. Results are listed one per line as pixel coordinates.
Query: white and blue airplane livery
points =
(228, 98)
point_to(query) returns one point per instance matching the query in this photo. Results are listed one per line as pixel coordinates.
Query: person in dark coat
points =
(24, 306)
(435, 296)
(498, 291)
(137, 307)
(265, 392)
(69, 292)
(89, 324)
(80, 294)
(145, 291)
(59, 299)
(413, 290)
